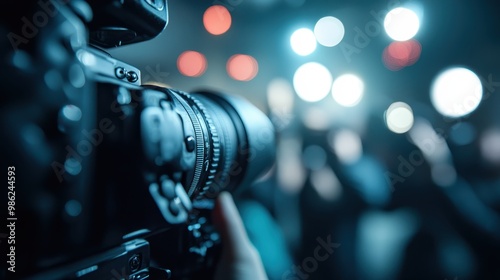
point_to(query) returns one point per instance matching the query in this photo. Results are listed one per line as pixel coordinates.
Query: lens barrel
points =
(235, 142)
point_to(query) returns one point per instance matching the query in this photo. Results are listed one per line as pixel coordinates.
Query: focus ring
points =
(200, 147)
(214, 152)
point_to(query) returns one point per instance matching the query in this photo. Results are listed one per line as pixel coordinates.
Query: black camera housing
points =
(116, 23)
(118, 178)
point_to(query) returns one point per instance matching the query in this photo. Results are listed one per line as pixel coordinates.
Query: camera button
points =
(120, 72)
(190, 143)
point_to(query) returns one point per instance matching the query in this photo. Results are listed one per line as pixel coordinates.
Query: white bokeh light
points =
(401, 24)
(303, 41)
(326, 183)
(347, 90)
(312, 81)
(291, 173)
(329, 31)
(456, 92)
(347, 146)
(316, 118)
(399, 117)
(490, 145)
(280, 95)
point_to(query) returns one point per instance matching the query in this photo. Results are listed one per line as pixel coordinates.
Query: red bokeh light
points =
(242, 67)
(401, 54)
(217, 20)
(191, 63)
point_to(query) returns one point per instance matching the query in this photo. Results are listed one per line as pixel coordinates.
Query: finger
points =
(228, 222)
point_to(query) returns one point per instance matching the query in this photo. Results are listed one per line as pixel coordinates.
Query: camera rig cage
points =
(116, 179)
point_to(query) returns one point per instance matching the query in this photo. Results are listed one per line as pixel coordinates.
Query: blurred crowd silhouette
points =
(420, 205)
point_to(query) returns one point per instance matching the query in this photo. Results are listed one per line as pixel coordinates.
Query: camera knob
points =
(132, 76)
(120, 72)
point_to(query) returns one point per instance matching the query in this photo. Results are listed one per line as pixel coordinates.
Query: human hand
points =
(239, 260)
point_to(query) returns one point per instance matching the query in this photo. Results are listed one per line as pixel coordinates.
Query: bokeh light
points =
(347, 146)
(401, 54)
(312, 81)
(399, 117)
(490, 145)
(329, 31)
(326, 183)
(347, 90)
(217, 20)
(291, 173)
(462, 133)
(242, 67)
(444, 174)
(191, 63)
(280, 96)
(314, 157)
(456, 92)
(401, 24)
(432, 145)
(316, 118)
(303, 41)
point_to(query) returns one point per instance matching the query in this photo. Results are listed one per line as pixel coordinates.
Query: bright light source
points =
(456, 92)
(329, 31)
(347, 146)
(217, 20)
(303, 41)
(312, 81)
(401, 24)
(399, 117)
(191, 63)
(280, 95)
(347, 90)
(242, 67)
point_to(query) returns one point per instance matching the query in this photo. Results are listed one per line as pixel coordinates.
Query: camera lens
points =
(234, 142)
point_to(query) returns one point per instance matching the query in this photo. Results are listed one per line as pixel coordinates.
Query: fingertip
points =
(220, 213)
(228, 221)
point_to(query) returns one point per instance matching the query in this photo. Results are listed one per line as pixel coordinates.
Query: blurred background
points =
(388, 163)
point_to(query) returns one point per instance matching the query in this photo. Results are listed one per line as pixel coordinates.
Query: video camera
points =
(113, 179)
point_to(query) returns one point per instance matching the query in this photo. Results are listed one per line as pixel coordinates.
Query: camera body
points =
(118, 178)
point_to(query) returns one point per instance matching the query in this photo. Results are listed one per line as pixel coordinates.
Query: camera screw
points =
(120, 72)
(190, 143)
(132, 76)
(134, 263)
